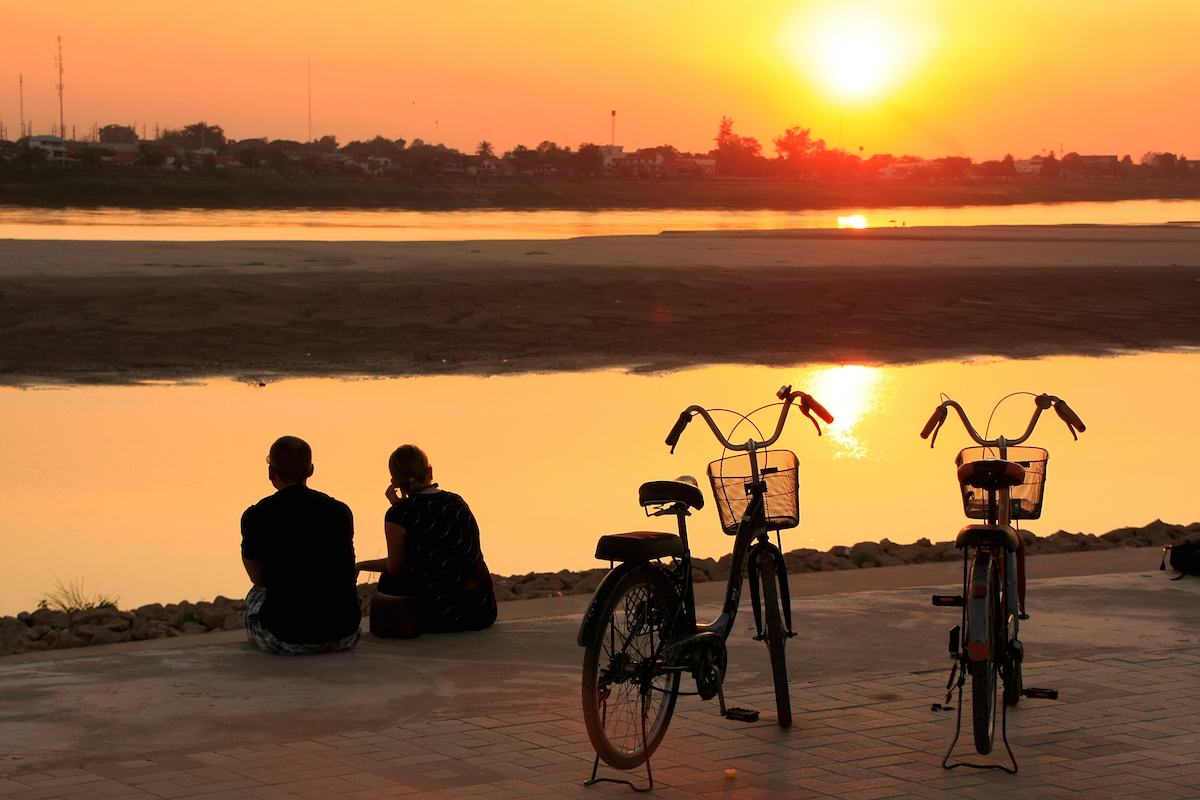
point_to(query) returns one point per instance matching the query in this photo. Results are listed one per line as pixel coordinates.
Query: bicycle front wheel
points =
(984, 672)
(628, 693)
(775, 635)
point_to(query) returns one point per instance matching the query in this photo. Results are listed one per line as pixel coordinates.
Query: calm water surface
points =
(114, 224)
(138, 490)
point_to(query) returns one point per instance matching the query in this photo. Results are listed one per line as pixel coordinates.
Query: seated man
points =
(298, 548)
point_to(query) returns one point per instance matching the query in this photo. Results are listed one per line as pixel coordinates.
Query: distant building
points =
(54, 146)
(613, 154)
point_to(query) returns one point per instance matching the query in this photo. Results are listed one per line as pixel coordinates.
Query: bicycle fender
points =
(785, 591)
(979, 625)
(591, 618)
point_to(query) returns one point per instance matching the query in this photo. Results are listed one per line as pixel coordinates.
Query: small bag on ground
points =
(395, 617)
(1185, 558)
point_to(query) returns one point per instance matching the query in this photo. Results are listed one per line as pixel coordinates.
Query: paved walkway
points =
(495, 714)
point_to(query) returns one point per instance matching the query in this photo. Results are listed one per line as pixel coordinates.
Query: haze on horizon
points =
(926, 77)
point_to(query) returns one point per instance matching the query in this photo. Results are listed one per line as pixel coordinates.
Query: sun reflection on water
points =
(851, 393)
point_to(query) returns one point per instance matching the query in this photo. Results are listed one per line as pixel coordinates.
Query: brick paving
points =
(1126, 726)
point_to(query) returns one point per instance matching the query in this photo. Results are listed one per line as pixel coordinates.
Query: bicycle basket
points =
(730, 479)
(1026, 498)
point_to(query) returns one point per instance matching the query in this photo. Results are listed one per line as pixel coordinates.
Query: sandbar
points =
(124, 312)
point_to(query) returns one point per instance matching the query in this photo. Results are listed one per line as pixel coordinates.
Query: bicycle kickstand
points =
(649, 774)
(962, 679)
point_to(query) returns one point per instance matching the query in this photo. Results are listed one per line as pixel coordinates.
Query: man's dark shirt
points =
(304, 541)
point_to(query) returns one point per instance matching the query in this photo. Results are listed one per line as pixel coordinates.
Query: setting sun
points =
(855, 54)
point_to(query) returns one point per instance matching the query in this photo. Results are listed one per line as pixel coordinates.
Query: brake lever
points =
(804, 410)
(936, 430)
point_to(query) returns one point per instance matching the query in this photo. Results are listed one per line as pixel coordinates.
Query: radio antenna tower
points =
(310, 136)
(58, 61)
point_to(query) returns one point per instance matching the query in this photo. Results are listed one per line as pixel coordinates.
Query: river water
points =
(117, 224)
(137, 490)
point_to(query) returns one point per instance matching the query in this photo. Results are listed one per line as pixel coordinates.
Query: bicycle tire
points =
(775, 635)
(984, 673)
(627, 699)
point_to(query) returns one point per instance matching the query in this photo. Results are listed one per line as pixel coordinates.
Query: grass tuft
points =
(72, 595)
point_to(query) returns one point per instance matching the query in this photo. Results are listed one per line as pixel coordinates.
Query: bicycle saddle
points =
(991, 475)
(655, 493)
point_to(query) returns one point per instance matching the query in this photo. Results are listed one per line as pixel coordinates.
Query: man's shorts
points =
(270, 644)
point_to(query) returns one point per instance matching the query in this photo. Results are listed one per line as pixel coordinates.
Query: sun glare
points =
(850, 393)
(853, 221)
(856, 54)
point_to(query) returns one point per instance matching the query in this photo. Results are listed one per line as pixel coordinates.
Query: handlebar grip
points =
(939, 416)
(681, 423)
(811, 403)
(1068, 416)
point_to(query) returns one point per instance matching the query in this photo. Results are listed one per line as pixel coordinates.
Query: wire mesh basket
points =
(1026, 499)
(730, 478)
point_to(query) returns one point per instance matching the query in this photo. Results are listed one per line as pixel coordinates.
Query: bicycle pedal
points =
(955, 600)
(1041, 694)
(741, 714)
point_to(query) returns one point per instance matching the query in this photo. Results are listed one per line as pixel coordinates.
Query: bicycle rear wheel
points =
(775, 635)
(984, 671)
(628, 694)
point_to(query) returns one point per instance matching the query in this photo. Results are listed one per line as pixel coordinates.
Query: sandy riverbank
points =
(119, 312)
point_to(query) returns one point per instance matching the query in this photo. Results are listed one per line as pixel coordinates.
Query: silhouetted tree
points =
(736, 155)
(485, 150)
(589, 160)
(1051, 166)
(196, 136)
(797, 143)
(118, 134)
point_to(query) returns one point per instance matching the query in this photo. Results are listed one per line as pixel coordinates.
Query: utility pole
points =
(614, 128)
(310, 135)
(21, 84)
(62, 127)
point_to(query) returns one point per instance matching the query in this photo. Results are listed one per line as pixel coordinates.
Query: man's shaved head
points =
(291, 458)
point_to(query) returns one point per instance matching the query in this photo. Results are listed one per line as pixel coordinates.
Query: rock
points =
(31, 647)
(24, 616)
(212, 618)
(826, 562)
(233, 621)
(38, 631)
(109, 637)
(68, 640)
(87, 632)
(152, 611)
(235, 604)
(192, 628)
(51, 617)
(11, 626)
(588, 582)
(100, 616)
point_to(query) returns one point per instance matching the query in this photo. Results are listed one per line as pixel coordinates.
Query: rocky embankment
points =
(47, 629)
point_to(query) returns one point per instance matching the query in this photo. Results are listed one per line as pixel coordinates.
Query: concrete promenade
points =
(496, 714)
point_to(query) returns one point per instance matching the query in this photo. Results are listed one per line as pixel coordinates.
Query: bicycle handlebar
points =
(808, 406)
(1042, 402)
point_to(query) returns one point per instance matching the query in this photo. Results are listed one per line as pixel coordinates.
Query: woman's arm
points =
(395, 544)
(372, 565)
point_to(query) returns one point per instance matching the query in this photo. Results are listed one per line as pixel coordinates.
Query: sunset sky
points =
(926, 77)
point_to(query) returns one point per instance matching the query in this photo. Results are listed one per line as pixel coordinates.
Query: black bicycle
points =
(1001, 483)
(640, 634)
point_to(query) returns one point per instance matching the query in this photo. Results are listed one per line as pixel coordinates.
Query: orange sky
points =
(937, 77)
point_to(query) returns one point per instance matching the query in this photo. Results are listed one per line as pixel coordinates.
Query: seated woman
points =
(433, 550)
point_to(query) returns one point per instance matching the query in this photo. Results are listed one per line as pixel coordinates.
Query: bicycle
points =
(1002, 483)
(640, 631)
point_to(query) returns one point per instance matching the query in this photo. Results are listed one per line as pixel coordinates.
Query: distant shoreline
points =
(246, 191)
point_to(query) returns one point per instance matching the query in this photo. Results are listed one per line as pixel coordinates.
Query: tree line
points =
(797, 154)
